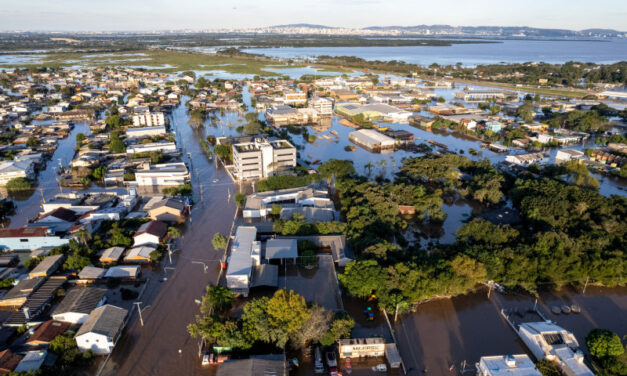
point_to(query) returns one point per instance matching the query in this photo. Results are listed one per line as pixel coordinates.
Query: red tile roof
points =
(23, 232)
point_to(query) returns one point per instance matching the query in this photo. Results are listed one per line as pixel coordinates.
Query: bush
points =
(18, 184)
(183, 190)
(156, 255)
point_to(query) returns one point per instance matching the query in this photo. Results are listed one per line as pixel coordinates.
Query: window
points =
(24, 240)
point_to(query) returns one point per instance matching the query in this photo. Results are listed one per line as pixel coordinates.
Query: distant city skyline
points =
(153, 15)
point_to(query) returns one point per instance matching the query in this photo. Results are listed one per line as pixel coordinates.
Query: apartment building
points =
(261, 158)
(323, 106)
(149, 119)
(286, 115)
(164, 174)
(295, 98)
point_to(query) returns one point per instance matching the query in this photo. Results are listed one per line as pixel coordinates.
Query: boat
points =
(574, 308)
(565, 308)
(380, 368)
(556, 310)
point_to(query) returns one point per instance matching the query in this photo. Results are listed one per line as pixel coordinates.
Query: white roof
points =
(372, 137)
(240, 261)
(510, 365)
(123, 271)
(281, 248)
(142, 252)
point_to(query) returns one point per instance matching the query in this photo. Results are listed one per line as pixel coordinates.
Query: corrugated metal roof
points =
(106, 320)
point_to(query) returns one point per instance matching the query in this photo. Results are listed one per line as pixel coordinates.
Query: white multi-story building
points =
(15, 169)
(324, 106)
(165, 174)
(149, 119)
(295, 98)
(261, 158)
(164, 147)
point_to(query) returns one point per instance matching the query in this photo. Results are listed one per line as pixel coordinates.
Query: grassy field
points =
(170, 61)
(163, 61)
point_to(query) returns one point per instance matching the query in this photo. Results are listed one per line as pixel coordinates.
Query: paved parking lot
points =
(317, 285)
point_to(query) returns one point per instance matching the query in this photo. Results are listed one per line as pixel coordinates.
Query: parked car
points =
(331, 359)
(318, 363)
(206, 359)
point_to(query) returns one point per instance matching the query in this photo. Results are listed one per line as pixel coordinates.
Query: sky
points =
(148, 15)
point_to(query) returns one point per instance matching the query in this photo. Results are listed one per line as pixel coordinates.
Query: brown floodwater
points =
(443, 334)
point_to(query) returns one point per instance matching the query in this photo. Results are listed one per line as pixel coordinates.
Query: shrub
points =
(18, 184)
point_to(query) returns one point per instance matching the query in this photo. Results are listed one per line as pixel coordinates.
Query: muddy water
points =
(444, 333)
(154, 348)
(30, 205)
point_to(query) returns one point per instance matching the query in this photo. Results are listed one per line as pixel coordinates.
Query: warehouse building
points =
(371, 140)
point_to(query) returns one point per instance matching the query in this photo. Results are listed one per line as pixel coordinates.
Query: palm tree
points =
(369, 167)
(83, 235)
(173, 233)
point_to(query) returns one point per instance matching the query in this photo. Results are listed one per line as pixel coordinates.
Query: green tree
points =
(173, 233)
(76, 262)
(69, 356)
(83, 236)
(603, 343)
(337, 168)
(99, 172)
(548, 368)
(116, 145)
(341, 327)
(361, 278)
(287, 312)
(80, 137)
(219, 241)
(240, 199)
(18, 184)
(217, 300)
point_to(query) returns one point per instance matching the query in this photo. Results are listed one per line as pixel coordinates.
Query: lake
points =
(508, 51)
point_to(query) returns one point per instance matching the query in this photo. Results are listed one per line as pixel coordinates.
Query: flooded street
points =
(28, 206)
(448, 332)
(162, 346)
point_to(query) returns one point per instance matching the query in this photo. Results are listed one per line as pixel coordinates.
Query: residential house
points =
(101, 330)
(124, 272)
(8, 361)
(163, 209)
(78, 303)
(46, 332)
(507, 365)
(47, 266)
(150, 233)
(32, 361)
(139, 255)
(111, 255)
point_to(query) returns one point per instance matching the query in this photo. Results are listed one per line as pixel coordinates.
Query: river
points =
(505, 51)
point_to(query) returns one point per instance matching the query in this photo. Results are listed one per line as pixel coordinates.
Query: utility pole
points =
(170, 252)
(585, 285)
(141, 320)
(396, 313)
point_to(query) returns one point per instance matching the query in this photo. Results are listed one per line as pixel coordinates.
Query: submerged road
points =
(162, 346)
